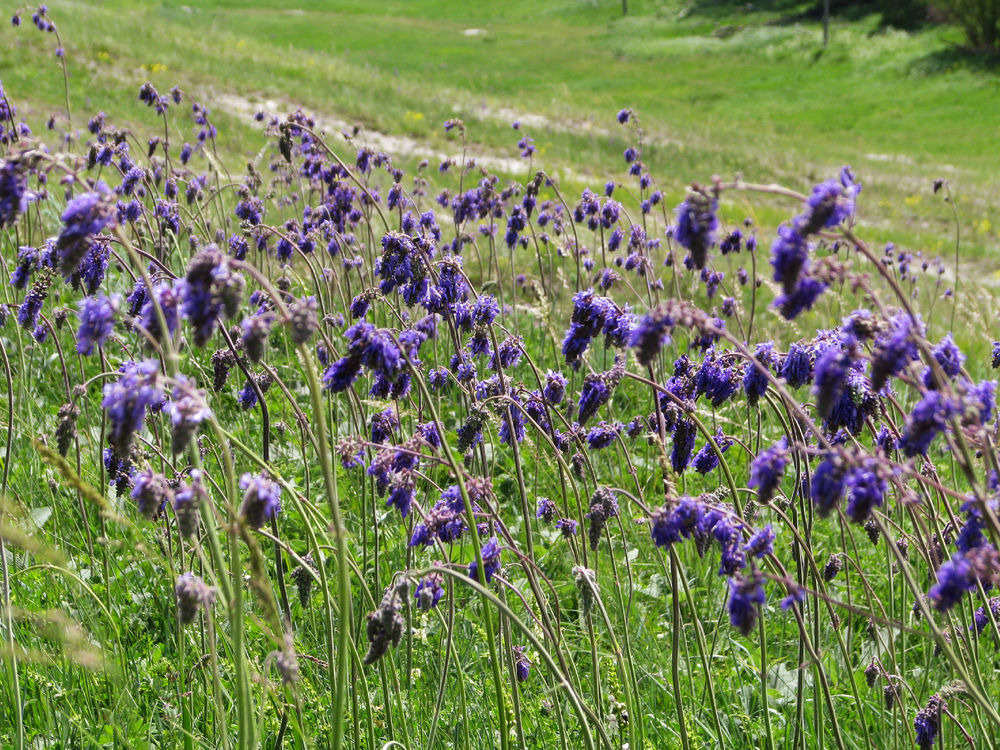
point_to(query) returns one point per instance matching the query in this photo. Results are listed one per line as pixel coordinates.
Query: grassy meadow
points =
(761, 98)
(308, 447)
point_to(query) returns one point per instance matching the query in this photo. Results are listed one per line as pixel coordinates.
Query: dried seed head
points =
(871, 528)
(872, 672)
(890, 695)
(66, 430)
(903, 545)
(191, 593)
(303, 575)
(385, 626)
(253, 334)
(187, 504)
(833, 566)
(586, 588)
(151, 492)
(287, 662)
(188, 409)
(603, 506)
(303, 319)
(222, 363)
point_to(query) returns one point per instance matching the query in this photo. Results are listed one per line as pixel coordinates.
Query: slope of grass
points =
(765, 101)
(756, 99)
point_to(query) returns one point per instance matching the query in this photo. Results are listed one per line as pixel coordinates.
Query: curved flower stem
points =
(231, 593)
(950, 200)
(340, 541)
(702, 649)
(975, 690)
(582, 712)
(247, 735)
(15, 683)
(477, 546)
(675, 638)
(266, 455)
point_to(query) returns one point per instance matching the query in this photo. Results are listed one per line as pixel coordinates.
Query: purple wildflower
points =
(949, 357)
(893, 351)
(682, 521)
(210, 290)
(981, 618)
(491, 561)
(192, 594)
(651, 334)
(866, 488)
(706, 459)
(767, 469)
(97, 320)
(833, 365)
(797, 366)
(555, 387)
(261, 498)
(761, 543)
(28, 312)
(169, 301)
(127, 401)
(567, 527)
(603, 434)
(522, 664)
(254, 331)
(187, 504)
(927, 420)
(13, 190)
(512, 422)
(954, 578)
(684, 437)
(927, 723)
(696, 226)
(755, 381)
(401, 494)
(546, 510)
(789, 257)
(188, 409)
(429, 591)
(593, 395)
(827, 484)
(151, 493)
(746, 597)
(830, 203)
(85, 216)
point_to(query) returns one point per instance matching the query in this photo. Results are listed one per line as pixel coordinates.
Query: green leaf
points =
(39, 516)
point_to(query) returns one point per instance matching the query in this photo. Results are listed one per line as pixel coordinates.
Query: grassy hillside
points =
(719, 89)
(628, 467)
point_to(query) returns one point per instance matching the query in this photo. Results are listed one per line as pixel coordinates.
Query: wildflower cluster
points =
(475, 391)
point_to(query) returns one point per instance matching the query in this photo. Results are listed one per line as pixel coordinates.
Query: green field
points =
(648, 655)
(719, 90)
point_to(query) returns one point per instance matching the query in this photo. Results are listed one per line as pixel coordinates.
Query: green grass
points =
(765, 101)
(760, 102)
